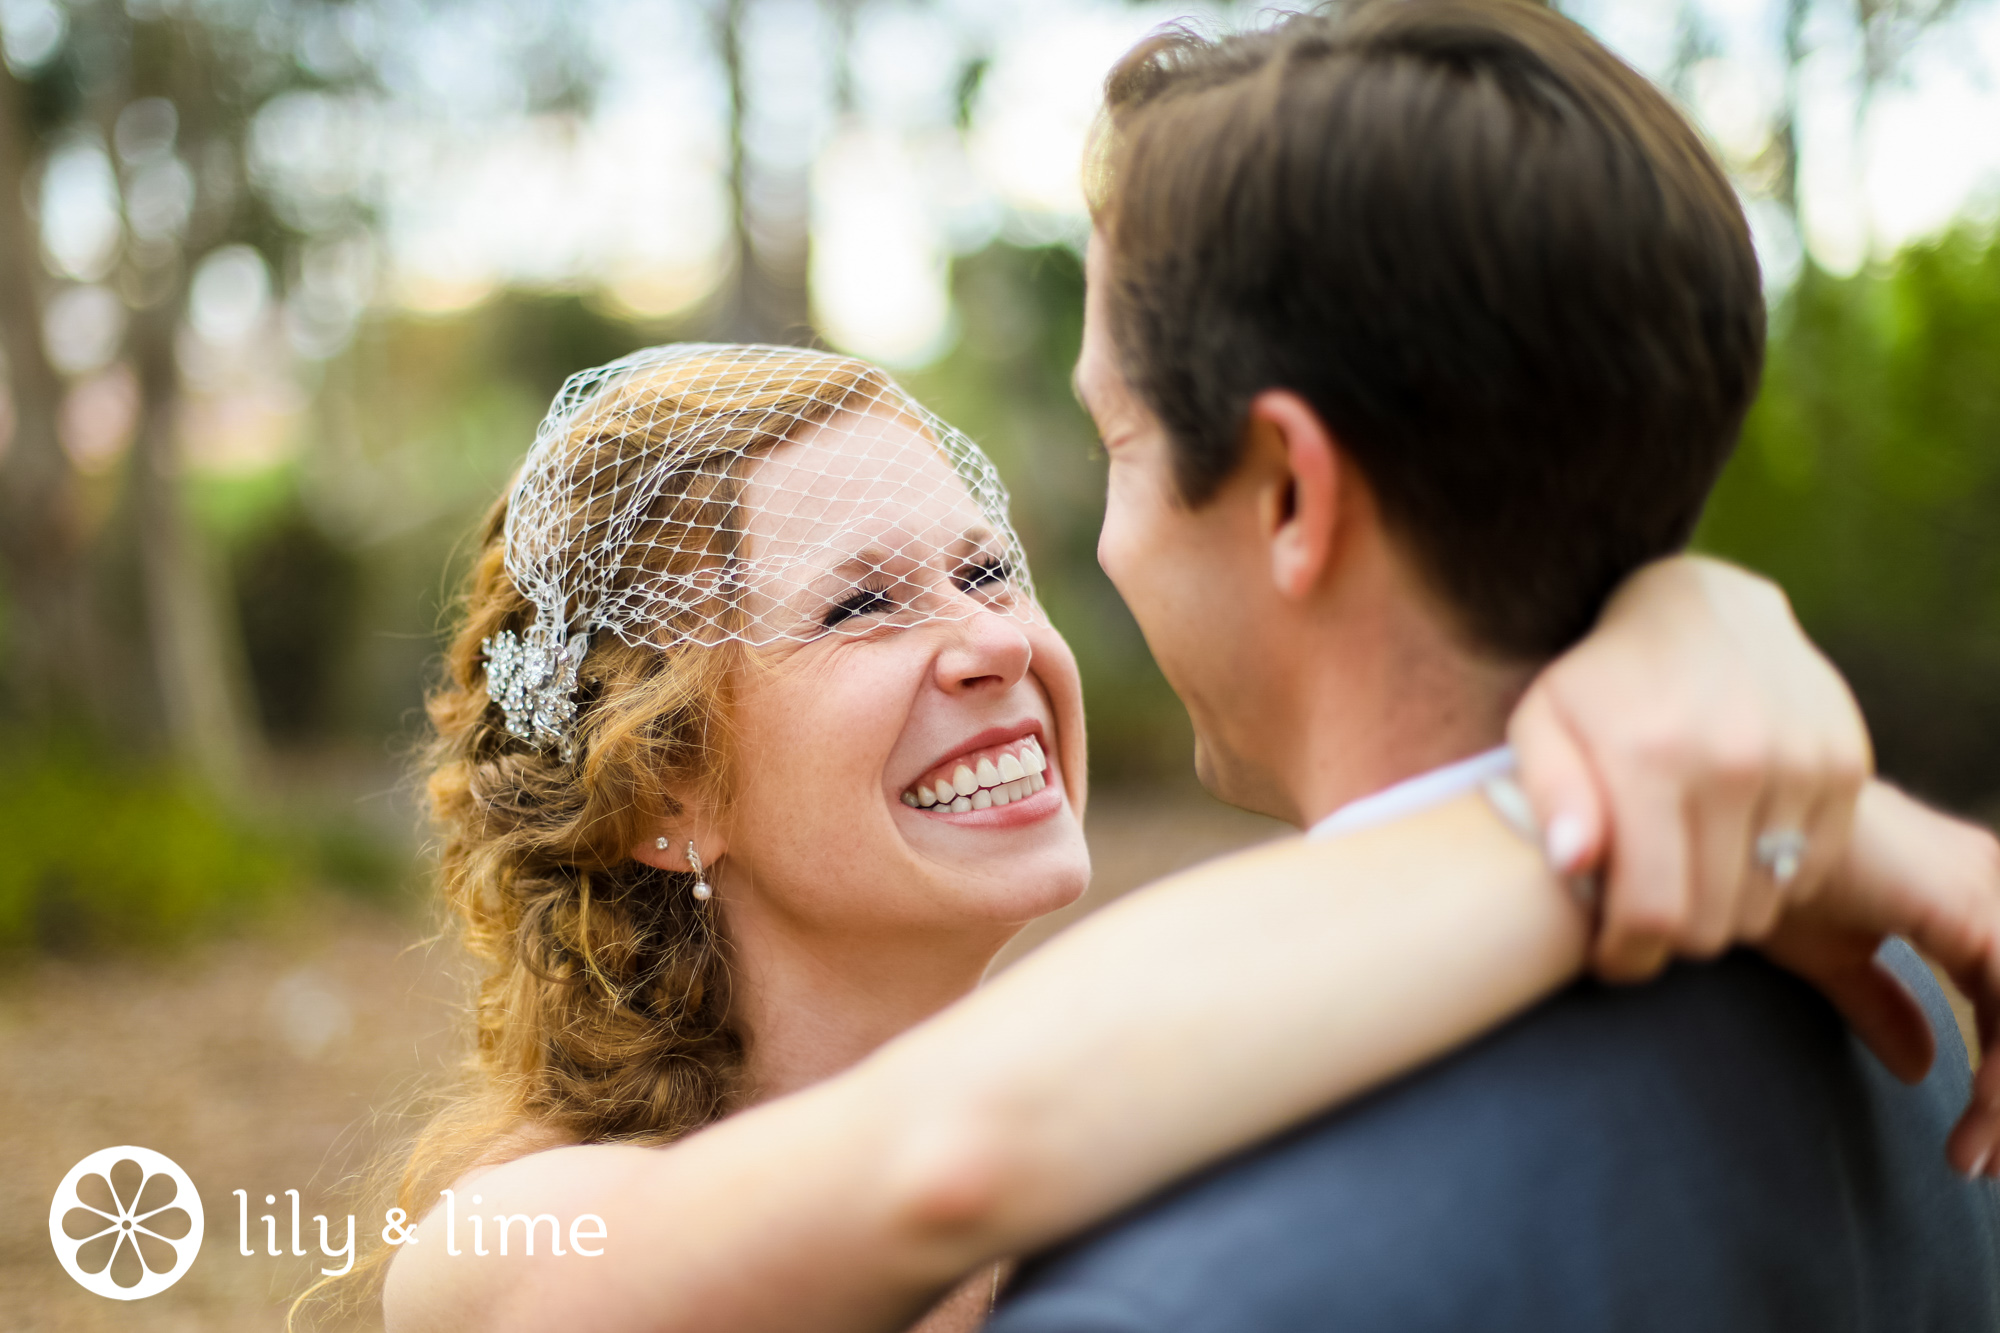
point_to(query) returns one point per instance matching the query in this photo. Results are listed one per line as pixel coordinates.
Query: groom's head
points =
(1428, 319)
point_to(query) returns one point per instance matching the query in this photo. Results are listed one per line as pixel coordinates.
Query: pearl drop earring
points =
(702, 892)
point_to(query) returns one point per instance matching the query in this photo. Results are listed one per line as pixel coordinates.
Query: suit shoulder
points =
(1617, 1157)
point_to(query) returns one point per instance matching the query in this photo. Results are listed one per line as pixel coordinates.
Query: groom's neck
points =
(1389, 701)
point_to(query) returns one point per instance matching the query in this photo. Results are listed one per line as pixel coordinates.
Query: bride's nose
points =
(987, 650)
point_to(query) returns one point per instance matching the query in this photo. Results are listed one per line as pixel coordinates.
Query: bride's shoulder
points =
(523, 1141)
(525, 1178)
(536, 1161)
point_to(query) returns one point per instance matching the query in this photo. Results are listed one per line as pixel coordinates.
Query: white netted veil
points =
(642, 511)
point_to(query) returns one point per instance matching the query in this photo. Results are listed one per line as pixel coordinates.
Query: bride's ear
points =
(663, 843)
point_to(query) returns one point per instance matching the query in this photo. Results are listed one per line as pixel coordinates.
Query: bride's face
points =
(897, 660)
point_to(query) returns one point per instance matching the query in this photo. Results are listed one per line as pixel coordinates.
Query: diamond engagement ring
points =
(1781, 853)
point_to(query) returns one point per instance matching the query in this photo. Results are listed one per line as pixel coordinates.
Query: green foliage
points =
(1868, 484)
(101, 857)
(297, 592)
(342, 852)
(108, 854)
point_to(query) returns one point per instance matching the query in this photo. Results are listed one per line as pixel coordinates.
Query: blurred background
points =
(285, 286)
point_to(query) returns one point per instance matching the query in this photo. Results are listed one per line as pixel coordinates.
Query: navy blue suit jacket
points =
(1712, 1153)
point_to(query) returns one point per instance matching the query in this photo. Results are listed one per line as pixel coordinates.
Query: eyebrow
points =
(866, 560)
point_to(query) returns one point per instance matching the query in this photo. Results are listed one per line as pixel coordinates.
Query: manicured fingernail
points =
(1565, 842)
(1978, 1167)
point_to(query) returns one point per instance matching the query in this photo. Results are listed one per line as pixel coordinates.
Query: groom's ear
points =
(1298, 470)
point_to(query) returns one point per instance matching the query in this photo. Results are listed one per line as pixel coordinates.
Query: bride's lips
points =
(999, 778)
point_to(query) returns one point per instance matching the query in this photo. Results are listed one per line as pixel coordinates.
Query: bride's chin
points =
(1034, 892)
(994, 866)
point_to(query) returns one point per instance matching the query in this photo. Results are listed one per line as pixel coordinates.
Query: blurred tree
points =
(160, 104)
(766, 298)
(52, 649)
(215, 128)
(1868, 483)
(423, 418)
(297, 592)
(770, 237)
(1888, 30)
(165, 90)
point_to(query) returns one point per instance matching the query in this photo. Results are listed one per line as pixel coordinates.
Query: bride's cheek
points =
(1056, 675)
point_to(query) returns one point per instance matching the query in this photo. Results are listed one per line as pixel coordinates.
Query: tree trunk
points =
(197, 654)
(1787, 136)
(197, 646)
(54, 656)
(769, 217)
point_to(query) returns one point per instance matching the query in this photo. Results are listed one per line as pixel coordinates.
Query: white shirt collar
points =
(1413, 794)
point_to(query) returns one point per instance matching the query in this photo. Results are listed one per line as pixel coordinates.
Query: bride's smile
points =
(991, 771)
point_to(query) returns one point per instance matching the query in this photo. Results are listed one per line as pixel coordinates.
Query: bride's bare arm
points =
(1194, 1017)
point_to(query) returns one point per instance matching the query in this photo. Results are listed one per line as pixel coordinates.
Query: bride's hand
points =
(1695, 717)
(1936, 880)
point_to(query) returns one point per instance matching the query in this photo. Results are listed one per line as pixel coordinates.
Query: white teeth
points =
(1014, 777)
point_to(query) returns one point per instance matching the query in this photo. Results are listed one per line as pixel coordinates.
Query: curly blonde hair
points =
(601, 1008)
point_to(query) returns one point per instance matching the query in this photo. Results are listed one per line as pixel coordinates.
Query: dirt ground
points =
(281, 1062)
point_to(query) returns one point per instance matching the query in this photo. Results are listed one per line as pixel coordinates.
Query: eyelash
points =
(867, 601)
(862, 601)
(980, 573)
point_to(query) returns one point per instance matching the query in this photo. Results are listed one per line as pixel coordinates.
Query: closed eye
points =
(860, 602)
(984, 572)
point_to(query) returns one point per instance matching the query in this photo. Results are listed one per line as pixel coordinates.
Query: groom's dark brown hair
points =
(1497, 262)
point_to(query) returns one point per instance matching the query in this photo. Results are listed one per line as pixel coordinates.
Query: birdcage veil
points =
(701, 494)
